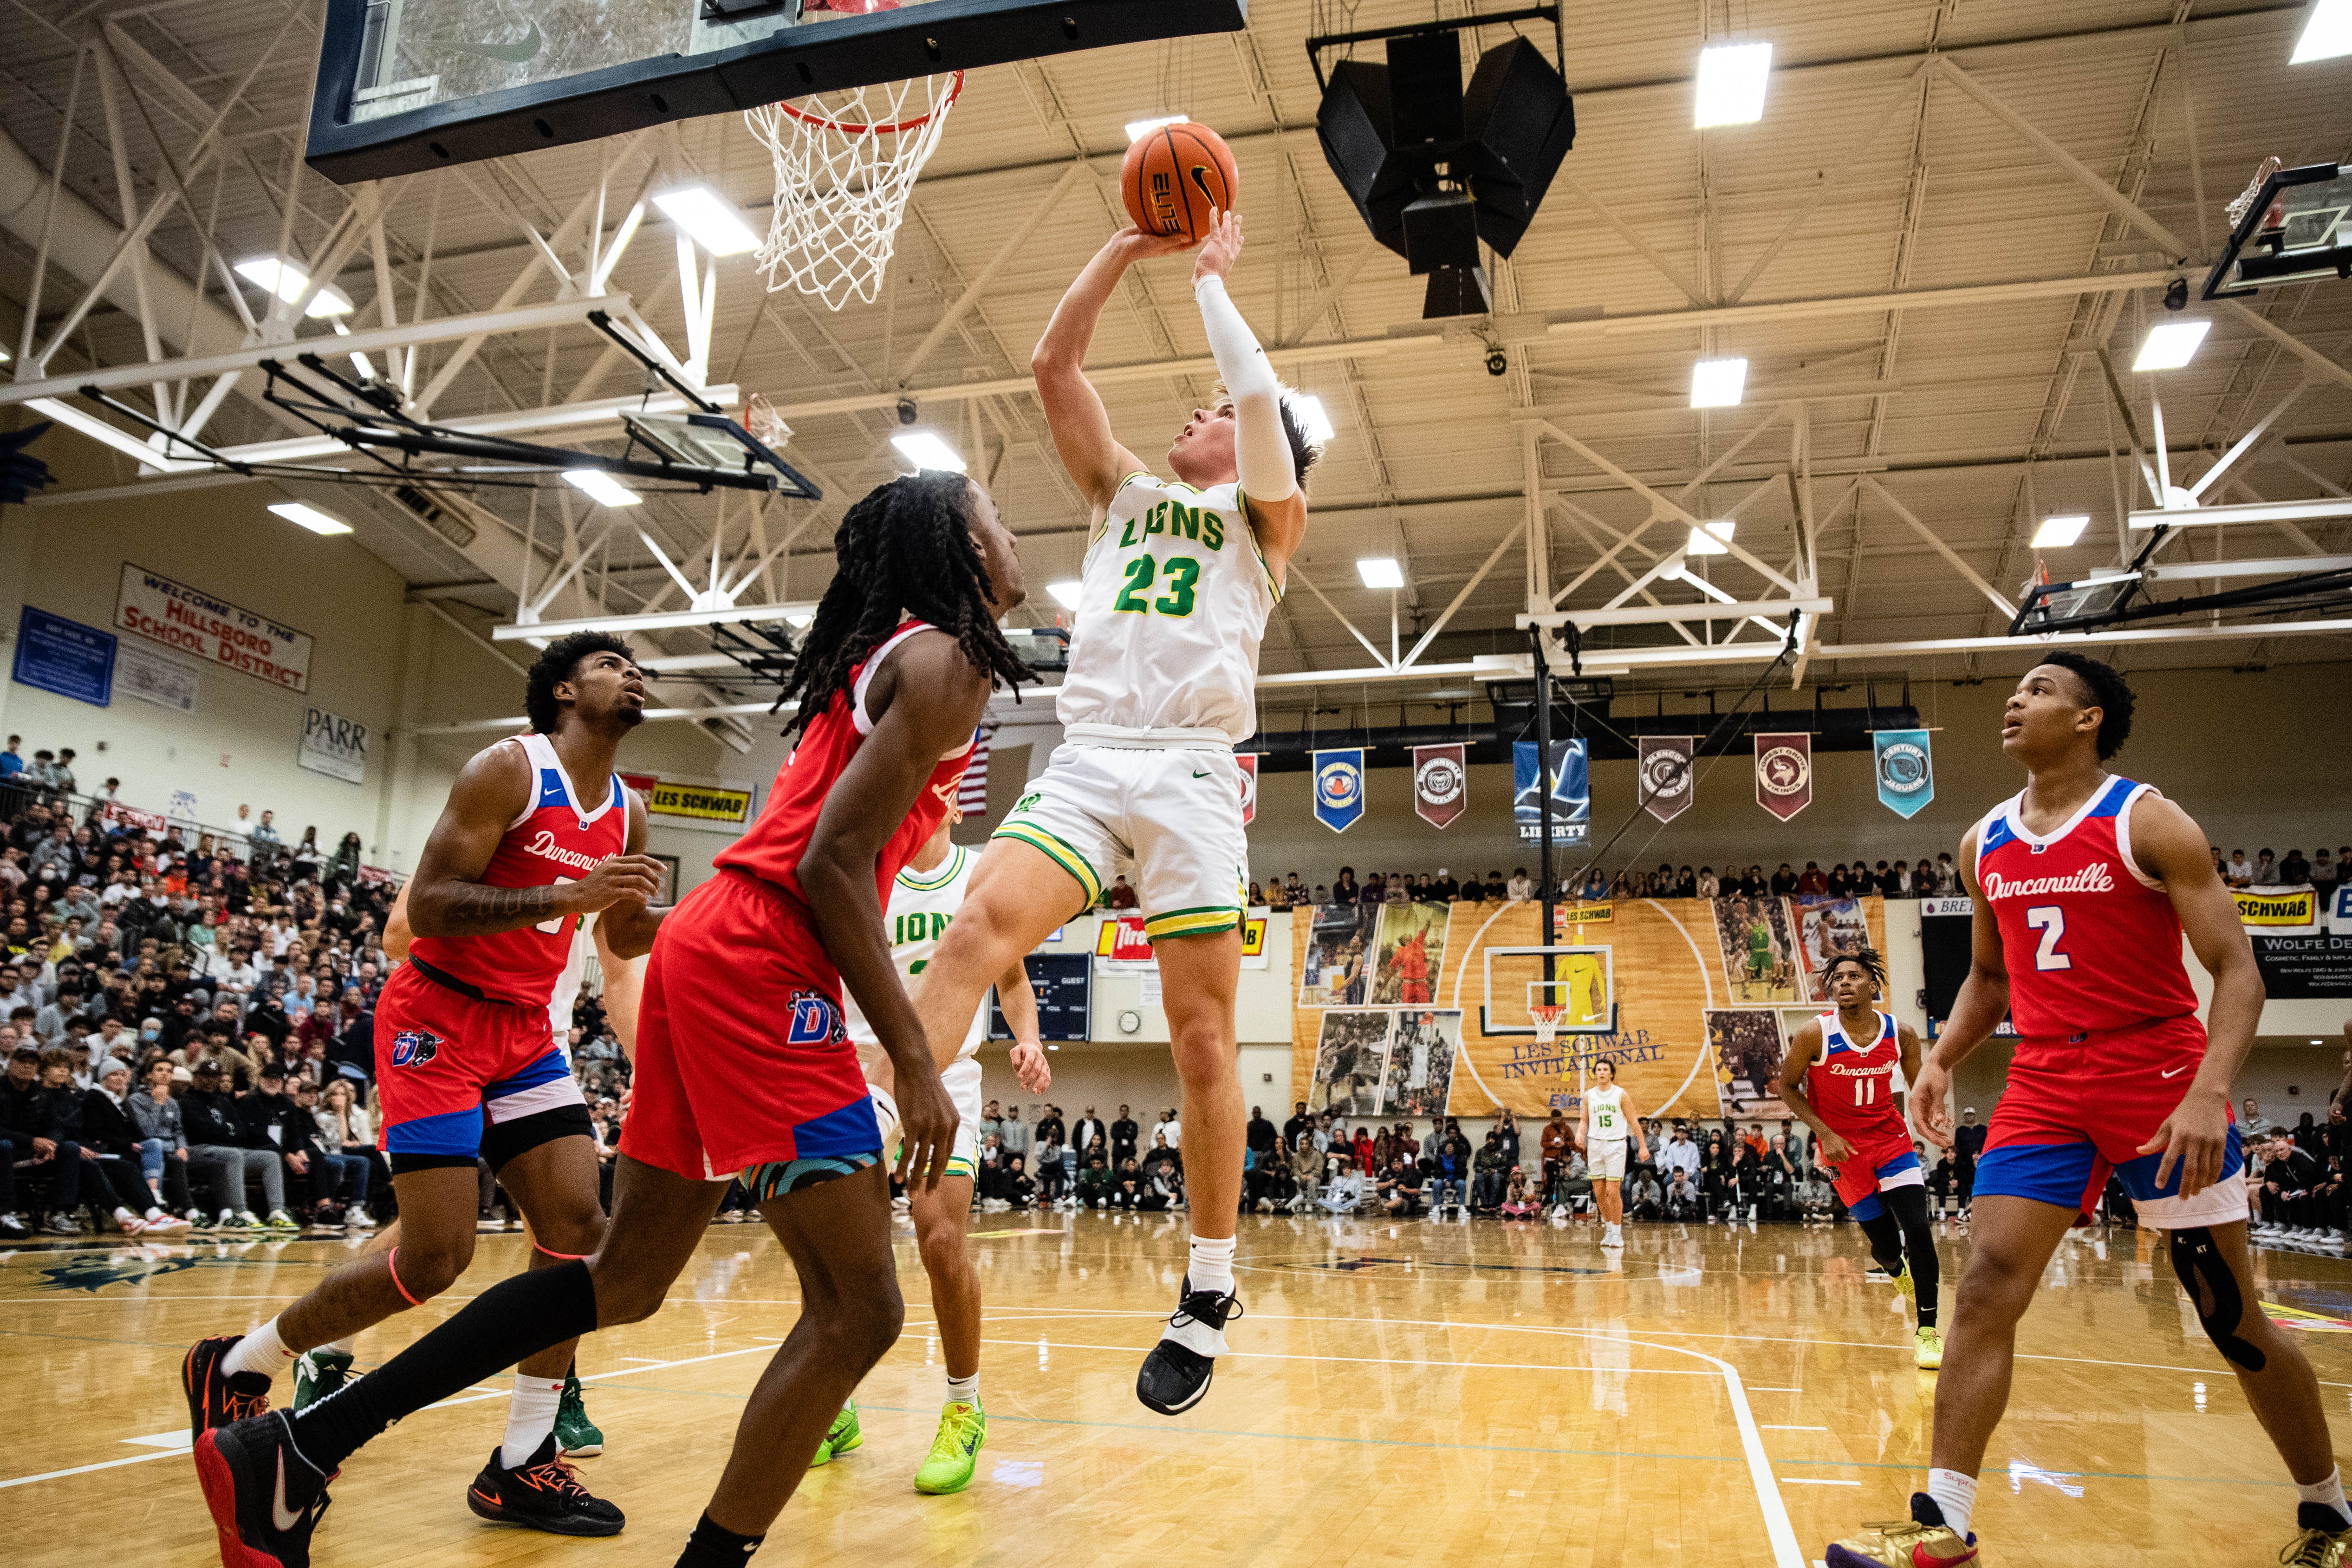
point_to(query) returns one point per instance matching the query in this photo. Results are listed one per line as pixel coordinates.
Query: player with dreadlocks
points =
(1839, 1075)
(743, 1063)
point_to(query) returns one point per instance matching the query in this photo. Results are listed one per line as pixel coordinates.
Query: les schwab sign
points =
(156, 607)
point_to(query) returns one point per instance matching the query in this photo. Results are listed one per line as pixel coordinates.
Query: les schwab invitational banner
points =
(1677, 967)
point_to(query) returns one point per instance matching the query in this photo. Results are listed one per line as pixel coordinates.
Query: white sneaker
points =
(1613, 1237)
(127, 1223)
(158, 1220)
(360, 1219)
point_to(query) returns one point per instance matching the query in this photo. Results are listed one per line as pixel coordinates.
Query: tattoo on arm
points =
(469, 909)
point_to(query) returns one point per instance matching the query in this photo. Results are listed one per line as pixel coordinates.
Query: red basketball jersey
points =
(772, 848)
(2090, 941)
(554, 840)
(1851, 1085)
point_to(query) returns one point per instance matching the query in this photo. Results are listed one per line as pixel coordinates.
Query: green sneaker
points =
(318, 1374)
(575, 1434)
(1906, 1284)
(844, 1434)
(955, 1452)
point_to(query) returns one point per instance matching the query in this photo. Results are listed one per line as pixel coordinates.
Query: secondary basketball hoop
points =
(845, 163)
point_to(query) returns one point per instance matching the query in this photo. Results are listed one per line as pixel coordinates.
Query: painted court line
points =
(1814, 1481)
(1793, 1428)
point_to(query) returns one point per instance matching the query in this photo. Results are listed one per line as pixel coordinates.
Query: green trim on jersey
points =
(949, 868)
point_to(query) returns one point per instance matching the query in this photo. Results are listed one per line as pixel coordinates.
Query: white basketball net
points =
(845, 163)
(1546, 1021)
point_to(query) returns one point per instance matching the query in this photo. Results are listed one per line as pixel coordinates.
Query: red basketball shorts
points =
(445, 1060)
(1881, 1163)
(2079, 1107)
(743, 1058)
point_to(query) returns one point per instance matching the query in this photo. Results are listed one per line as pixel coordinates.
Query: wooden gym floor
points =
(1420, 1394)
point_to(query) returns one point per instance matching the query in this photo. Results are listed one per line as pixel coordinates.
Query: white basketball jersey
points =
(1172, 601)
(1608, 1111)
(922, 906)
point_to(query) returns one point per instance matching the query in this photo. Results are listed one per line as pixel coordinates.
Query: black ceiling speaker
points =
(1432, 169)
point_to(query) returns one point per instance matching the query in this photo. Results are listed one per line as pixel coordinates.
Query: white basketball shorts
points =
(1605, 1161)
(1171, 819)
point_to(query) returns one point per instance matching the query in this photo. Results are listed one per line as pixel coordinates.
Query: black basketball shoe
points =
(1177, 1372)
(217, 1396)
(542, 1492)
(265, 1499)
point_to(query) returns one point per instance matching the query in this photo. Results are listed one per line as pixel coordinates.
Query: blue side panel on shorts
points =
(2047, 1172)
(1868, 1208)
(546, 1069)
(852, 1130)
(1906, 1161)
(451, 1132)
(2139, 1175)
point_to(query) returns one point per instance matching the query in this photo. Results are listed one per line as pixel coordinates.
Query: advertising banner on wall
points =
(154, 677)
(1339, 788)
(336, 747)
(1784, 774)
(699, 806)
(153, 606)
(1664, 770)
(1247, 762)
(1441, 784)
(54, 654)
(1907, 770)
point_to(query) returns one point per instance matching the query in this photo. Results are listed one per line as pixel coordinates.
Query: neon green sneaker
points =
(1906, 1284)
(1927, 1350)
(955, 1452)
(320, 1373)
(842, 1437)
(577, 1437)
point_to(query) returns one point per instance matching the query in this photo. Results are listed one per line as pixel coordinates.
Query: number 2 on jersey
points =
(2051, 922)
(1182, 575)
(555, 926)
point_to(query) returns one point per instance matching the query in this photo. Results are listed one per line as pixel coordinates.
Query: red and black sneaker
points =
(542, 1492)
(265, 1499)
(217, 1396)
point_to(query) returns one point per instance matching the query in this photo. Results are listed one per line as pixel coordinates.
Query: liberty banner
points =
(1663, 769)
(1784, 774)
(1248, 764)
(1338, 788)
(1571, 792)
(1441, 784)
(1907, 770)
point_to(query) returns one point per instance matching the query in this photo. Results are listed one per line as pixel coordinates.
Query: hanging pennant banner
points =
(1664, 770)
(1440, 784)
(1784, 774)
(1248, 761)
(1571, 792)
(1907, 770)
(1338, 788)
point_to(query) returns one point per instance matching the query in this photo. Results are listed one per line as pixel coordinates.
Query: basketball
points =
(1176, 176)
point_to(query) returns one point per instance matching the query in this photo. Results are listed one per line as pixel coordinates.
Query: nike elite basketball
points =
(1176, 176)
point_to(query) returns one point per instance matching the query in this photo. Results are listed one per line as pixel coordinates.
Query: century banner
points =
(1571, 792)
(1784, 774)
(1907, 770)
(1440, 784)
(1339, 788)
(1663, 769)
(1247, 761)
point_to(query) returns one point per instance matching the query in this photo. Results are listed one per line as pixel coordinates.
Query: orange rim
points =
(825, 122)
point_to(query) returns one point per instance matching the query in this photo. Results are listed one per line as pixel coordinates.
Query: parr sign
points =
(155, 607)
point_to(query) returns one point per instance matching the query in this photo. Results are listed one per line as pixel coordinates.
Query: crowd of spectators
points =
(2297, 1197)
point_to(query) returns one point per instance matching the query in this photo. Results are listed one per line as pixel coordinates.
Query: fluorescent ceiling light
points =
(925, 449)
(288, 283)
(602, 487)
(2327, 34)
(1137, 130)
(1380, 571)
(309, 517)
(1065, 594)
(710, 218)
(798, 619)
(2172, 345)
(1310, 409)
(1710, 540)
(1731, 78)
(1717, 383)
(2058, 533)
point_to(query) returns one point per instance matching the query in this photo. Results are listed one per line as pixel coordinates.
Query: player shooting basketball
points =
(1179, 577)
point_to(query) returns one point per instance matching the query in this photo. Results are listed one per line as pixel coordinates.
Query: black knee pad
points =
(2198, 1262)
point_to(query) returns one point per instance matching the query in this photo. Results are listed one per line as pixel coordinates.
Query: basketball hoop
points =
(767, 426)
(1547, 1017)
(2238, 208)
(845, 164)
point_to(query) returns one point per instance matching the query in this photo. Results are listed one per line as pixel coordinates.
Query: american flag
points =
(971, 797)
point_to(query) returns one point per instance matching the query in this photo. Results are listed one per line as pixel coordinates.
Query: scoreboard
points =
(1061, 981)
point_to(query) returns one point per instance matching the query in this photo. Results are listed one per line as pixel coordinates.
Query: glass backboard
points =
(406, 85)
(2294, 231)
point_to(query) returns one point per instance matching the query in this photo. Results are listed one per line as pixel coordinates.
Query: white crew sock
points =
(261, 1351)
(531, 1416)
(347, 1345)
(1210, 1267)
(1956, 1494)
(2329, 1491)
(965, 1391)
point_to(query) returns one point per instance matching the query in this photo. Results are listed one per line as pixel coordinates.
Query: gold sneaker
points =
(2318, 1546)
(1927, 1353)
(1904, 1545)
